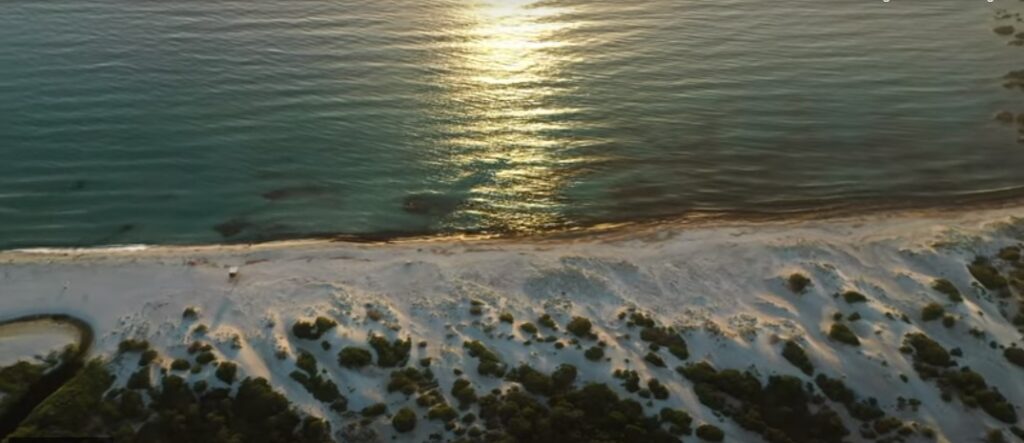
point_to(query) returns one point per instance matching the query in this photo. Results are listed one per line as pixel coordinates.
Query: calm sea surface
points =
(175, 121)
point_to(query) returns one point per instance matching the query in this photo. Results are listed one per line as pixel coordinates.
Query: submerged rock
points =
(430, 204)
(294, 192)
(1004, 117)
(232, 227)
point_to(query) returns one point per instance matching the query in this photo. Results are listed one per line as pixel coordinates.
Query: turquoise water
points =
(204, 121)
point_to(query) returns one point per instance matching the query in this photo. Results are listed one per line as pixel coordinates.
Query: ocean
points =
(179, 122)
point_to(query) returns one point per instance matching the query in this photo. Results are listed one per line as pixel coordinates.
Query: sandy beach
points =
(726, 288)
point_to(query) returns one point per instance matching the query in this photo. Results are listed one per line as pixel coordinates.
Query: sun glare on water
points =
(506, 77)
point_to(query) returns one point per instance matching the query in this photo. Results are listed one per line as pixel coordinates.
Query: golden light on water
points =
(507, 74)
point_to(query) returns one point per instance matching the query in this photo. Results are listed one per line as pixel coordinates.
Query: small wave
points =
(112, 248)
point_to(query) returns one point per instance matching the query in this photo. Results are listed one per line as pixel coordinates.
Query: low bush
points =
(443, 413)
(932, 311)
(798, 283)
(354, 357)
(1015, 356)
(176, 413)
(679, 421)
(226, 372)
(794, 354)
(658, 390)
(783, 410)
(132, 345)
(463, 391)
(374, 410)
(547, 322)
(580, 327)
(313, 330)
(490, 364)
(390, 354)
(180, 364)
(947, 287)
(854, 297)
(842, 333)
(529, 328)
(654, 359)
(708, 432)
(404, 420)
(986, 274)
(667, 337)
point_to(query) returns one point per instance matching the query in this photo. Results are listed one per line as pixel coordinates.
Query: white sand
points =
(723, 284)
(34, 341)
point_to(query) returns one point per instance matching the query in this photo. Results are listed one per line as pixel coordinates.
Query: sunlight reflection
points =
(506, 76)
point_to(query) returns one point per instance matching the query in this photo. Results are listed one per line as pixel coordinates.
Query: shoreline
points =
(600, 232)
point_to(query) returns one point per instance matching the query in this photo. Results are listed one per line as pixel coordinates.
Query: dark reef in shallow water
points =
(294, 192)
(430, 204)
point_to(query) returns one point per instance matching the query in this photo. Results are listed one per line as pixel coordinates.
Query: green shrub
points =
(679, 421)
(580, 327)
(654, 359)
(591, 413)
(490, 363)
(463, 391)
(176, 412)
(391, 354)
(15, 381)
(932, 311)
(1015, 356)
(709, 432)
(534, 381)
(594, 353)
(72, 409)
(442, 412)
(1010, 254)
(794, 354)
(529, 328)
(306, 362)
(132, 345)
(630, 379)
(506, 317)
(205, 357)
(180, 364)
(842, 333)
(190, 313)
(948, 321)
(658, 390)
(854, 297)
(139, 379)
(411, 380)
(563, 377)
(995, 435)
(404, 420)
(547, 322)
(987, 275)
(640, 319)
(374, 410)
(226, 372)
(947, 287)
(353, 357)
(313, 331)
(147, 357)
(668, 338)
(927, 350)
(798, 283)
(323, 389)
